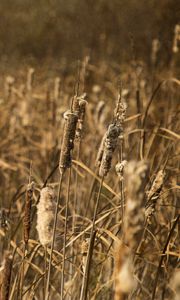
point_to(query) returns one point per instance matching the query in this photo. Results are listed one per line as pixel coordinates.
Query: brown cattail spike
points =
(27, 211)
(110, 144)
(68, 140)
(6, 277)
(82, 111)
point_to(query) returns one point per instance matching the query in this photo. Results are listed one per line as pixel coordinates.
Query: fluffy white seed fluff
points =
(45, 215)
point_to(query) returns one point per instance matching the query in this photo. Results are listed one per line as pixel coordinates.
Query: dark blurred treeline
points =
(74, 28)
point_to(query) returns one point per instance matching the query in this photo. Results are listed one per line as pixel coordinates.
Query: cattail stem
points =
(84, 288)
(65, 233)
(53, 238)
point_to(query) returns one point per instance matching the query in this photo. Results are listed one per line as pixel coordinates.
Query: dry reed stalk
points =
(134, 218)
(71, 119)
(65, 234)
(52, 239)
(6, 277)
(27, 211)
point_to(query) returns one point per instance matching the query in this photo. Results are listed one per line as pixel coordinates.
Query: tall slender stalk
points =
(65, 234)
(53, 238)
(85, 281)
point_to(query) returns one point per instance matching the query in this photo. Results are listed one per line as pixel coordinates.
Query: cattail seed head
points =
(120, 169)
(68, 140)
(6, 276)
(27, 211)
(110, 143)
(123, 272)
(45, 216)
(82, 111)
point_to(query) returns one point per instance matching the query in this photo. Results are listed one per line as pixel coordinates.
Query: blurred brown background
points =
(73, 28)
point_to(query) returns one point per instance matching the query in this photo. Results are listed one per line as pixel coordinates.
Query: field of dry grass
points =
(89, 165)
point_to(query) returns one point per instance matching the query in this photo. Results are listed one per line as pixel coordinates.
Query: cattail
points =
(123, 272)
(82, 111)
(68, 140)
(110, 144)
(6, 276)
(153, 194)
(30, 79)
(176, 40)
(175, 284)
(135, 179)
(120, 169)
(27, 211)
(45, 216)
(120, 111)
(75, 105)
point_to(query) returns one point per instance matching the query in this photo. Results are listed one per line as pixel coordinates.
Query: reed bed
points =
(89, 182)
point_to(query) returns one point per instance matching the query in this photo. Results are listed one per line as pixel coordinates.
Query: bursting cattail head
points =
(109, 145)
(45, 216)
(27, 211)
(136, 175)
(120, 110)
(6, 277)
(120, 169)
(68, 140)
